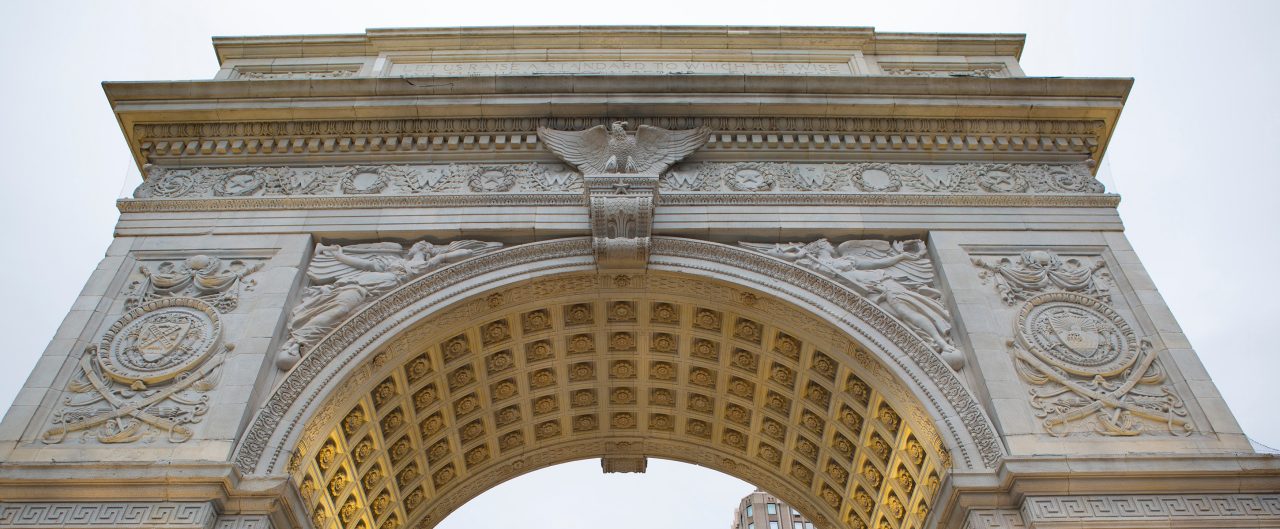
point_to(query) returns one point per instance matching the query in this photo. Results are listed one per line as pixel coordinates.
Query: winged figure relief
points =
(345, 278)
(896, 275)
(600, 150)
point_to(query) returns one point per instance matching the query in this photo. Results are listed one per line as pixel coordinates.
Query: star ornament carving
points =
(600, 150)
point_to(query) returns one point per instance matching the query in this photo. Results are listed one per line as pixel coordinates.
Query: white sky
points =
(1195, 158)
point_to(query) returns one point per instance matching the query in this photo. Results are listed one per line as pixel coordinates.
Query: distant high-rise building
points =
(761, 510)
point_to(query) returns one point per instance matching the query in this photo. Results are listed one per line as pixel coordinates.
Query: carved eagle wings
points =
(600, 150)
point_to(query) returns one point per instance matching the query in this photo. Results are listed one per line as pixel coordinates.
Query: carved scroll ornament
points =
(896, 275)
(621, 226)
(345, 278)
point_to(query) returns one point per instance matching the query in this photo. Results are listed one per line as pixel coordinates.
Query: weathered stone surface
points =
(871, 272)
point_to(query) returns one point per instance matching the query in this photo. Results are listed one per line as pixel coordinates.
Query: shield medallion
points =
(156, 340)
(1078, 332)
(159, 340)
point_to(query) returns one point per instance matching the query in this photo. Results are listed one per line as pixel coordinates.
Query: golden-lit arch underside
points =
(582, 366)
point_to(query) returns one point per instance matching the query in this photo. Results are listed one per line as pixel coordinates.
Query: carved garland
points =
(741, 177)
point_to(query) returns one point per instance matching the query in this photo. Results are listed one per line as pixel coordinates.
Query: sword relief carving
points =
(1089, 371)
(149, 375)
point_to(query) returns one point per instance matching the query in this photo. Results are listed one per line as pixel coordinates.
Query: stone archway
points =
(529, 357)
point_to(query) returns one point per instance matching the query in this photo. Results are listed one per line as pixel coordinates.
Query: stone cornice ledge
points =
(1026, 97)
(195, 481)
(220, 483)
(1022, 477)
(641, 96)
(134, 205)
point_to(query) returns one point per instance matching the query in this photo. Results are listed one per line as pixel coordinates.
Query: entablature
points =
(769, 93)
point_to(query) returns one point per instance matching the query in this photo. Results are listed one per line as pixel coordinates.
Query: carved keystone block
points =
(624, 464)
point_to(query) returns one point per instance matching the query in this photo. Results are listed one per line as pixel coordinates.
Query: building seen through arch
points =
(369, 277)
(762, 510)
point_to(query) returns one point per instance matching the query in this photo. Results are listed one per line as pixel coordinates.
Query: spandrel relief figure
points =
(345, 278)
(896, 275)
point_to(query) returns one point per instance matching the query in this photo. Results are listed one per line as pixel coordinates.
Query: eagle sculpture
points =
(598, 150)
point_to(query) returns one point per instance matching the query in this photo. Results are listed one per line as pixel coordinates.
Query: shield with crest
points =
(1078, 332)
(157, 339)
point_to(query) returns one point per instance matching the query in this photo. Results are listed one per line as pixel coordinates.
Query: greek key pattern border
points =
(244, 521)
(1138, 507)
(157, 515)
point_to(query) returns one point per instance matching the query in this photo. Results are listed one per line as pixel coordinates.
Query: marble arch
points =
(716, 356)
(620, 165)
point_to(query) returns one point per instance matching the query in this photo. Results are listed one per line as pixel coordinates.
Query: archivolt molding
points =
(873, 326)
(297, 397)
(320, 368)
(585, 365)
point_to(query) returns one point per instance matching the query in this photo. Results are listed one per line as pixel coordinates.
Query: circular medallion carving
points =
(1077, 333)
(1002, 178)
(172, 182)
(159, 340)
(876, 177)
(238, 183)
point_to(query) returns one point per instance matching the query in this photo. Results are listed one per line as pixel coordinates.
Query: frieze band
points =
(744, 177)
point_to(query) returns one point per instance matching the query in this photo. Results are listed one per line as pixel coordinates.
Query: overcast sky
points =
(1195, 158)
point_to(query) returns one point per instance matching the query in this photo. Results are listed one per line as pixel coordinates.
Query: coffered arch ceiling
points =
(718, 356)
(578, 366)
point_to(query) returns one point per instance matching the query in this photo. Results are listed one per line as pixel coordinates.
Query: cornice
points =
(986, 90)
(344, 141)
(1019, 477)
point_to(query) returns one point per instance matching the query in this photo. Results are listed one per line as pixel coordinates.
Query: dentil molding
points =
(243, 142)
